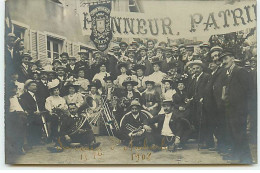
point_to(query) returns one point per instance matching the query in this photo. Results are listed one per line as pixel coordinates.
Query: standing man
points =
(24, 70)
(32, 104)
(71, 67)
(64, 58)
(123, 46)
(198, 92)
(235, 94)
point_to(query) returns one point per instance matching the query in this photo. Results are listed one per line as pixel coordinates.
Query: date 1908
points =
(141, 156)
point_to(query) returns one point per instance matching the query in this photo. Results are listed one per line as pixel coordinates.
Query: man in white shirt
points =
(172, 130)
(15, 123)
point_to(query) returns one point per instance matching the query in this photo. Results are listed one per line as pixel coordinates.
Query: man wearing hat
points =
(71, 67)
(198, 93)
(131, 125)
(64, 58)
(123, 46)
(42, 85)
(9, 61)
(167, 63)
(159, 52)
(18, 51)
(190, 51)
(110, 90)
(150, 44)
(143, 60)
(213, 104)
(172, 131)
(62, 77)
(236, 93)
(24, 70)
(32, 104)
(204, 50)
(83, 62)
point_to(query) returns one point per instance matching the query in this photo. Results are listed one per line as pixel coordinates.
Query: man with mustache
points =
(236, 94)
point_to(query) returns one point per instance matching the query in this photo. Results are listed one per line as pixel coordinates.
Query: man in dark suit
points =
(172, 130)
(198, 92)
(62, 77)
(9, 51)
(71, 67)
(24, 70)
(83, 62)
(236, 94)
(32, 104)
(132, 131)
(215, 122)
(168, 63)
(42, 86)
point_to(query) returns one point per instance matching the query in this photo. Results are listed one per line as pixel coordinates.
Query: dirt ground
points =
(110, 152)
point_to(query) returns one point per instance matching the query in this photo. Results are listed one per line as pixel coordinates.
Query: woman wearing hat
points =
(55, 100)
(129, 94)
(168, 90)
(56, 63)
(157, 76)
(73, 95)
(151, 98)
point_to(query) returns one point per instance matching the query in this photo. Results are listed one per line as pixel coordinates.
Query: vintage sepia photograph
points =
(130, 82)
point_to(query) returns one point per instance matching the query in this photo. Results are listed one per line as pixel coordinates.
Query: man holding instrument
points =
(75, 130)
(131, 125)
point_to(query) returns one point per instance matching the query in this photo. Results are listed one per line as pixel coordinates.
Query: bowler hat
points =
(64, 54)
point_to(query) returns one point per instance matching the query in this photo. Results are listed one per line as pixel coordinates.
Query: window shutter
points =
(69, 48)
(33, 44)
(42, 48)
(76, 49)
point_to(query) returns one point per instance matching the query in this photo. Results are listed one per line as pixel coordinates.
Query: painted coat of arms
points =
(101, 32)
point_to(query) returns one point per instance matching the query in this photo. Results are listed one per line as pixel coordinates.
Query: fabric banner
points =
(101, 33)
(178, 19)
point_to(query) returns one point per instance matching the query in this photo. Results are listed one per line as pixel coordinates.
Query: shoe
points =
(94, 145)
(155, 148)
(21, 152)
(212, 149)
(56, 149)
(229, 157)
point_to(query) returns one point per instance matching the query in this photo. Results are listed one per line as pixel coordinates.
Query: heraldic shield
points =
(101, 30)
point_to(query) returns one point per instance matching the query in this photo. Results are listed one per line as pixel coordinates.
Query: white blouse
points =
(55, 102)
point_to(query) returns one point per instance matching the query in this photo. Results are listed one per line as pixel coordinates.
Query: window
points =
(19, 31)
(54, 47)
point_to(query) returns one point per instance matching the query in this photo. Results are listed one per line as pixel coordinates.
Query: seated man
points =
(172, 130)
(75, 130)
(131, 125)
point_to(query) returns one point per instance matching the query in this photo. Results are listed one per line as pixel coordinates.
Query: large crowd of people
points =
(158, 94)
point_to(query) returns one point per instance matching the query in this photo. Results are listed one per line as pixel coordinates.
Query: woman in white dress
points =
(55, 100)
(73, 95)
(157, 76)
(167, 90)
(122, 77)
(82, 81)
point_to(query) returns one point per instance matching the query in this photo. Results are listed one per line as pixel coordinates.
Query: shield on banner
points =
(101, 25)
